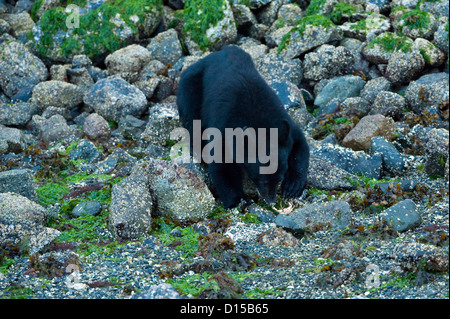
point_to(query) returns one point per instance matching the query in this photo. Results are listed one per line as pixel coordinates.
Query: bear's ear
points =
(284, 131)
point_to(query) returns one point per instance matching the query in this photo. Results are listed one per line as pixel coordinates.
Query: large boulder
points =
(114, 98)
(19, 68)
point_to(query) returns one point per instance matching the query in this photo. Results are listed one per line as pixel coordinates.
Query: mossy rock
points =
(380, 49)
(371, 26)
(416, 24)
(102, 29)
(208, 24)
(308, 33)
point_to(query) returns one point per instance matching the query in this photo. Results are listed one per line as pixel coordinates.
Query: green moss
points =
(199, 16)
(341, 9)
(414, 19)
(300, 27)
(187, 243)
(314, 7)
(35, 8)
(51, 193)
(194, 284)
(391, 42)
(96, 32)
(446, 29)
(360, 25)
(5, 264)
(250, 218)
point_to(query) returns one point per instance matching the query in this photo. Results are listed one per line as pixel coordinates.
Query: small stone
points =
(128, 62)
(57, 93)
(369, 126)
(96, 127)
(404, 67)
(340, 87)
(165, 47)
(19, 181)
(391, 157)
(402, 216)
(114, 98)
(92, 208)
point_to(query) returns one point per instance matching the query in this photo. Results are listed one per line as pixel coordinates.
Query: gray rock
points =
(131, 127)
(322, 216)
(264, 215)
(441, 37)
(148, 87)
(289, 224)
(53, 110)
(275, 35)
(340, 87)
(402, 216)
(81, 77)
(393, 161)
(92, 208)
(406, 185)
(3, 147)
(180, 193)
(430, 52)
(96, 127)
(374, 87)
(18, 209)
(20, 23)
(114, 98)
(377, 54)
(13, 137)
(404, 67)
(254, 48)
(161, 291)
(436, 8)
(85, 150)
(388, 104)
(274, 68)
(31, 239)
(268, 13)
(352, 106)
(17, 114)
(427, 91)
(19, 68)
(311, 38)
(415, 256)
(244, 17)
(368, 28)
(165, 47)
(350, 161)
(289, 94)
(436, 151)
(109, 164)
(327, 62)
(55, 129)
(19, 181)
(57, 93)
(128, 62)
(369, 126)
(323, 174)
(162, 120)
(130, 211)
(301, 116)
(290, 13)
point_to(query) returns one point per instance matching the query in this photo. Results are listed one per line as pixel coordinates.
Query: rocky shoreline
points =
(97, 203)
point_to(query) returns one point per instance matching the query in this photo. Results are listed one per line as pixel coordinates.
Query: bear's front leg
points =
(227, 181)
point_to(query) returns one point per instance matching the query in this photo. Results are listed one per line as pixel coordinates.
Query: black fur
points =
(224, 90)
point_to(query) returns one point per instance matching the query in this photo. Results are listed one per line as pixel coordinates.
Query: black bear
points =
(224, 91)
